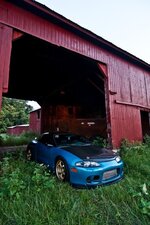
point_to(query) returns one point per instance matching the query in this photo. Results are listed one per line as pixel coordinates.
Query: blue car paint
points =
(48, 155)
(80, 178)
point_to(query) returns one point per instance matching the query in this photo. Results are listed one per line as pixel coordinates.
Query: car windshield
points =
(70, 139)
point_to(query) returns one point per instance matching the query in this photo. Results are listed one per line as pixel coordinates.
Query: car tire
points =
(61, 170)
(28, 154)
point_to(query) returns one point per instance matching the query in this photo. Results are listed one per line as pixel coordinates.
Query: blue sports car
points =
(75, 159)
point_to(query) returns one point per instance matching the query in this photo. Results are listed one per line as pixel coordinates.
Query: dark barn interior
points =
(145, 121)
(69, 87)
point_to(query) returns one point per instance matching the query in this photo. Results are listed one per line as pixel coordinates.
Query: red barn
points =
(18, 129)
(63, 121)
(33, 126)
(35, 121)
(72, 73)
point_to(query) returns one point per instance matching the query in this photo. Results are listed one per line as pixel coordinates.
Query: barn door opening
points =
(145, 121)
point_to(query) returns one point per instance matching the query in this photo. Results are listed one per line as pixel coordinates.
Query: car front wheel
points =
(28, 154)
(61, 170)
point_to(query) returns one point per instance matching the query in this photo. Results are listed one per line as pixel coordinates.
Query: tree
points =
(14, 112)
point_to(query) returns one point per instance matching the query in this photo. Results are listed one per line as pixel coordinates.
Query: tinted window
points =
(44, 139)
(69, 139)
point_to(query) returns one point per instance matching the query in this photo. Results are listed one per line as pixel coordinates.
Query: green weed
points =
(13, 140)
(29, 195)
(102, 142)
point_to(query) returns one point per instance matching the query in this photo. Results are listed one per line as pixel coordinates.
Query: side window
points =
(51, 140)
(44, 139)
(47, 139)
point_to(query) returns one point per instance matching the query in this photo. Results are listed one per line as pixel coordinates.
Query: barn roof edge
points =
(46, 12)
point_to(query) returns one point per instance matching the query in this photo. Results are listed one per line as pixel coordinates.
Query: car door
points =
(44, 150)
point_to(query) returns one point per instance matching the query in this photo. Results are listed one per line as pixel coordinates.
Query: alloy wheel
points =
(29, 155)
(60, 170)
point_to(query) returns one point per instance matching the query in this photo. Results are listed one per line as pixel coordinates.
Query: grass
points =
(14, 140)
(30, 195)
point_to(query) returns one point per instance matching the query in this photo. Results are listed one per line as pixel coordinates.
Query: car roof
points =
(58, 133)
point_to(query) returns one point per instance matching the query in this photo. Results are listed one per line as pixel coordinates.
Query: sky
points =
(125, 23)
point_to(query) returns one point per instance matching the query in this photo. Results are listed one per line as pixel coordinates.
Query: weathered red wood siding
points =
(18, 129)
(5, 52)
(29, 23)
(130, 83)
(34, 124)
(35, 121)
(58, 118)
(132, 87)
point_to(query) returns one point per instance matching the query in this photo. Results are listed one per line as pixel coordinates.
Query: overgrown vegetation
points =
(29, 194)
(13, 140)
(14, 112)
(102, 142)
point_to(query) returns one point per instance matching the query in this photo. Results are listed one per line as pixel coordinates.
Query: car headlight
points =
(118, 159)
(87, 164)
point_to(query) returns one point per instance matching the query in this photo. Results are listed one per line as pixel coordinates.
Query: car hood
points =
(90, 152)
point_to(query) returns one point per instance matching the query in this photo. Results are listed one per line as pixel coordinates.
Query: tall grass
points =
(14, 140)
(30, 195)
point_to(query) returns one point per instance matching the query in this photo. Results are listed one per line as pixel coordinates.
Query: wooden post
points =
(5, 53)
(103, 69)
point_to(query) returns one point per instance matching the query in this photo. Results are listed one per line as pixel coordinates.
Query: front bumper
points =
(90, 177)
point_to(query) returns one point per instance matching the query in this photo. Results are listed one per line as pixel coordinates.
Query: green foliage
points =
(29, 194)
(13, 182)
(127, 146)
(140, 193)
(41, 178)
(30, 135)
(147, 140)
(136, 158)
(14, 112)
(13, 140)
(100, 142)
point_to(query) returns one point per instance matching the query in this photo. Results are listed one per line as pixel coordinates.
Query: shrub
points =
(127, 146)
(29, 134)
(147, 140)
(98, 141)
(13, 140)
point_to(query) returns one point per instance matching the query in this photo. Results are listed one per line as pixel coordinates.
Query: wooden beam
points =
(99, 76)
(95, 85)
(17, 35)
(132, 104)
(103, 68)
